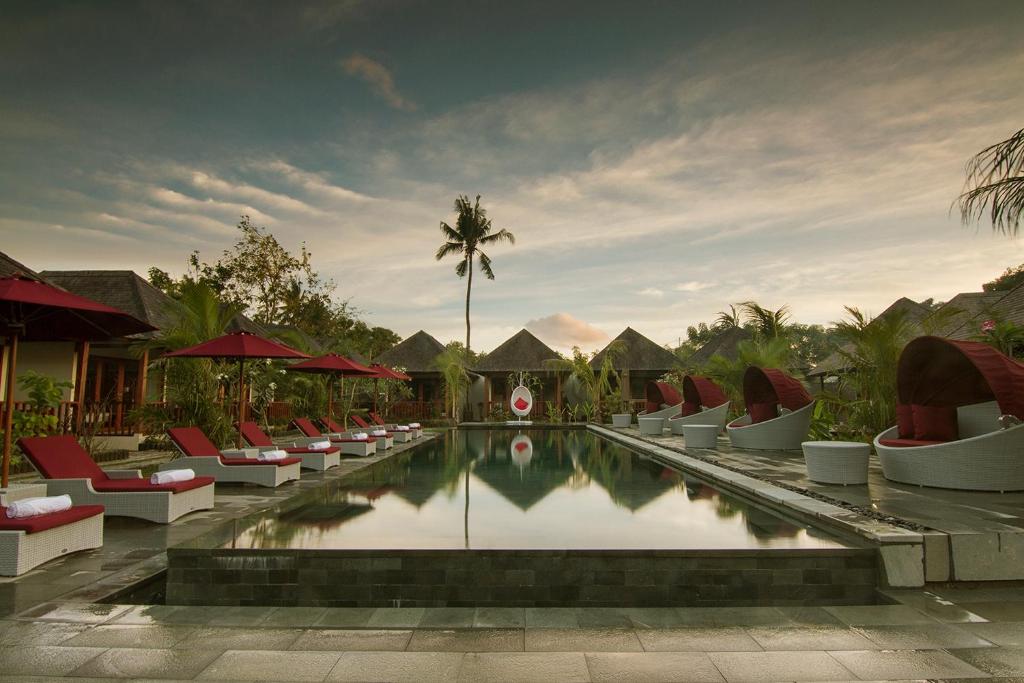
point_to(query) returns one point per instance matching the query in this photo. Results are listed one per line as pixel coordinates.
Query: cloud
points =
(651, 292)
(380, 79)
(313, 183)
(691, 286)
(563, 331)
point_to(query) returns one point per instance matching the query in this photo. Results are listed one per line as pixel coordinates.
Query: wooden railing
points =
(416, 410)
(102, 419)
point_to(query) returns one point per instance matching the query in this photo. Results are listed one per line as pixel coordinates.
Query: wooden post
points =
(80, 380)
(119, 393)
(97, 381)
(12, 355)
(141, 378)
(558, 391)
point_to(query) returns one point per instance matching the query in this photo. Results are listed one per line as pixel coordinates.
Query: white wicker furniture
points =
(622, 420)
(21, 550)
(651, 426)
(701, 435)
(319, 460)
(779, 412)
(663, 413)
(123, 493)
(417, 432)
(310, 434)
(228, 467)
(718, 415)
(390, 438)
(783, 433)
(837, 462)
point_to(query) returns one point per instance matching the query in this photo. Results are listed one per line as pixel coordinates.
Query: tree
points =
(472, 230)
(451, 363)
(728, 319)
(1010, 278)
(595, 384)
(764, 352)
(995, 185)
(766, 322)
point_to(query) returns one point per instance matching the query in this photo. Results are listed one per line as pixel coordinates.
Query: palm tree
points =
(767, 323)
(452, 365)
(995, 185)
(596, 384)
(763, 352)
(472, 229)
(728, 319)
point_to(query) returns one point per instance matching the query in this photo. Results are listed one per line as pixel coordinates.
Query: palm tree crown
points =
(995, 185)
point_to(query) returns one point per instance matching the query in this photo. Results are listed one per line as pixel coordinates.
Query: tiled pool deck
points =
(50, 628)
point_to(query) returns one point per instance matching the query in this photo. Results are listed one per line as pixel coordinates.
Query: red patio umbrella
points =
(238, 346)
(35, 311)
(384, 372)
(333, 366)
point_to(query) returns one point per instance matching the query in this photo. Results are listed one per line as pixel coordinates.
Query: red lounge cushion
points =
(521, 403)
(144, 486)
(934, 423)
(296, 450)
(360, 422)
(43, 522)
(262, 463)
(306, 427)
(193, 442)
(255, 436)
(371, 439)
(906, 443)
(60, 457)
(689, 408)
(905, 421)
(762, 412)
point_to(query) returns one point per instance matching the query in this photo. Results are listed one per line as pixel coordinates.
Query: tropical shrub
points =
(44, 397)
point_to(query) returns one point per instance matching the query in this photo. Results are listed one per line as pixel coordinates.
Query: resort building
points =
(643, 361)
(416, 355)
(520, 353)
(723, 344)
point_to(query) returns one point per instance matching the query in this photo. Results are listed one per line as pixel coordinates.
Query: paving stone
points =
(40, 633)
(598, 617)
(467, 640)
(395, 617)
(653, 667)
(935, 606)
(524, 667)
(997, 611)
(148, 663)
(44, 660)
(897, 664)
(654, 617)
(779, 666)
(301, 617)
(920, 637)
(1003, 633)
(397, 667)
(352, 640)
(240, 616)
(724, 639)
(270, 665)
(582, 640)
(227, 638)
(732, 616)
(808, 616)
(999, 661)
(145, 614)
(499, 617)
(353, 616)
(879, 615)
(448, 617)
(126, 635)
(810, 638)
(91, 613)
(551, 617)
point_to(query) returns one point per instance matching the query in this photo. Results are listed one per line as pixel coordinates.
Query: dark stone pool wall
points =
(521, 578)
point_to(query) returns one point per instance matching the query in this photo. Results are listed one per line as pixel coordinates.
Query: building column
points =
(119, 393)
(81, 373)
(141, 378)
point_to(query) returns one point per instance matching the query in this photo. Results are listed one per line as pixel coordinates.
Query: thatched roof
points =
(722, 344)
(1010, 307)
(521, 351)
(243, 323)
(641, 354)
(913, 312)
(121, 289)
(415, 353)
(9, 266)
(961, 316)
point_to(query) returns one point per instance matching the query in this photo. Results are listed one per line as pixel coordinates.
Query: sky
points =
(656, 161)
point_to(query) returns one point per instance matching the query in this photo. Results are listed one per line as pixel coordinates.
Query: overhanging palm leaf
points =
(995, 185)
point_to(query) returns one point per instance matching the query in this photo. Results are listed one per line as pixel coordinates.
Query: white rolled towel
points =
(402, 428)
(171, 476)
(360, 436)
(44, 505)
(319, 445)
(414, 425)
(268, 456)
(379, 432)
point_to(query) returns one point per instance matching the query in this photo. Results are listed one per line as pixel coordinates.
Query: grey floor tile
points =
(779, 666)
(935, 606)
(654, 617)
(297, 617)
(146, 614)
(90, 613)
(998, 661)
(467, 640)
(524, 667)
(395, 617)
(879, 615)
(448, 617)
(227, 638)
(724, 639)
(551, 617)
(397, 667)
(1003, 633)
(582, 640)
(732, 616)
(41, 633)
(352, 617)
(921, 637)
(808, 616)
(652, 667)
(253, 665)
(899, 664)
(500, 617)
(240, 616)
(996, 611)
(44, 660)
(603, 617)
(148, 663)
(810, 638)
(341, 640)
(191, 615)
(126, 635)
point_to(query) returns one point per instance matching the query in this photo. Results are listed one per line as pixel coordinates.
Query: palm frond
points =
(994, 186)
(485, 264)
(448, 248)
(502, 235)
(450, 233)
(462, 267)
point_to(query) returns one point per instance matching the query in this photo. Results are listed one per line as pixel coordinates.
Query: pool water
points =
(540, 489)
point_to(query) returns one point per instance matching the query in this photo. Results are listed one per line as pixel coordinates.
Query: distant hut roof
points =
(521, 351)
(640, 354)
(9, 267)
(1010, 308)
(722, 344)
(243, 323)
(121, 289)
(416, 353)
(914, 313)
(961, 316)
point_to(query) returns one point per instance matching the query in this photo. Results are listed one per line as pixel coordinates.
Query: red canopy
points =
(768, 385)
(238, 344)
(944, 372)
(702, 391)
(37, 311)
(334, 364)
(661, 393)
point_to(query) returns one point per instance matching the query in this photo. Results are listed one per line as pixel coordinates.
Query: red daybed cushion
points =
(689, 408)
(60, 457)
(906, 443)
(934, 423)
(294, 450)
(254, 461)
(37, 523)
(762, 412)
(360, 422)
(193, 442)
(521, 403)
(255, 436)
(905, 421)
(144, 485)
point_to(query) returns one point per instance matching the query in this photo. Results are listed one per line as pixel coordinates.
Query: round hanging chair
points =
(521, 401)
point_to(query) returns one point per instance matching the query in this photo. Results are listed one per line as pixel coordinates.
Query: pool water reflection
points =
(541, 489)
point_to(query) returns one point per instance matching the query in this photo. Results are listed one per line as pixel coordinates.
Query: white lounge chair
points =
(348, 445)
(779, 412)
(27, 542)
(704, 402)
(663, 401)
(312, 459)
(228, 467)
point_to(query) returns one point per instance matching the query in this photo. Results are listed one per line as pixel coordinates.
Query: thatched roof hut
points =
(722, 344)
(961, 317)
(122, 289)
(641, 354)
(520, 352)
(415, 354)
(9, 267)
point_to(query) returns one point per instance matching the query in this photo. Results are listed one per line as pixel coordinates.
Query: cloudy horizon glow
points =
(654, 167)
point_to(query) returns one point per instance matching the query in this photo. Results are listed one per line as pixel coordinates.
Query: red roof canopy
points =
(768, 385)
(238, 345)
(384, 372)
(661, 393)
(944, 372)
(332, 363)
(702, 391)
(46, 313)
